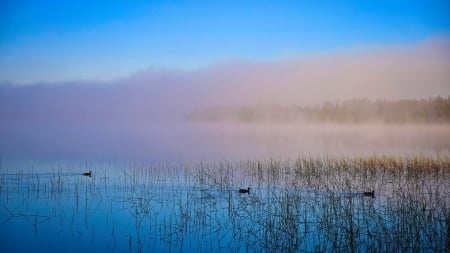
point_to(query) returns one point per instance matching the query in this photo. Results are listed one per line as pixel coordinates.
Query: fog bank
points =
(142, 114)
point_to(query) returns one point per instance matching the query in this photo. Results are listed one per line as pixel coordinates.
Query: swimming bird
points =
(245, 190)
(87, 174)
(369, 194)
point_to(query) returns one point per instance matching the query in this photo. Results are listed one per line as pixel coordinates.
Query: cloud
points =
(395, 72)
(416, 71)
(141, 113)
(413, 71)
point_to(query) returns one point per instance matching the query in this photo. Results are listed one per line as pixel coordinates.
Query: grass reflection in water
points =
(301, 205)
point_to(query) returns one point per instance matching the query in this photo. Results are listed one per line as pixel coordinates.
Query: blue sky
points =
(50, 41)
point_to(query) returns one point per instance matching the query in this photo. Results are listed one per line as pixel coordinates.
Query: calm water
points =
(304, 205)
(175, 141)
(150, 192)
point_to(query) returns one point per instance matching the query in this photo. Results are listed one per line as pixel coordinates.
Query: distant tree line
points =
(431, 110)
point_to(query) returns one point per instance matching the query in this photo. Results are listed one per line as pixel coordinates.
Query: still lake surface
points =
(176, 190)
(303, 205)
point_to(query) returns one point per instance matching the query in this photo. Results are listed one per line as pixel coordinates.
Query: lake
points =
(306, 204)
(31, 142)
(174, 187)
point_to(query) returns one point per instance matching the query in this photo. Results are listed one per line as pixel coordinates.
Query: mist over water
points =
(142, 116)
(180, 141)
(224, 126)
(121, 166)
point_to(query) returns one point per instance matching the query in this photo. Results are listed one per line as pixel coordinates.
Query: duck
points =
(245, 190)
(369, 194)
(87, 174)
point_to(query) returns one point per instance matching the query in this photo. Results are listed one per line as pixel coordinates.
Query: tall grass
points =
(306, 204)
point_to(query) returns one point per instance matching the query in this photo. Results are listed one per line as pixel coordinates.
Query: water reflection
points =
(177, 141)
(308, 204)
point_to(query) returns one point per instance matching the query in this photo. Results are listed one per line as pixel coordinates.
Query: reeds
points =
(305, 204)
